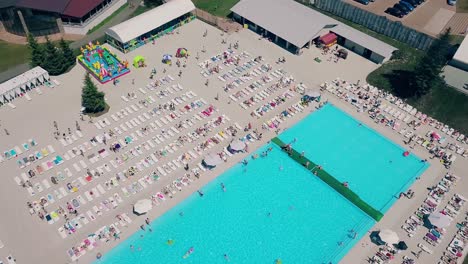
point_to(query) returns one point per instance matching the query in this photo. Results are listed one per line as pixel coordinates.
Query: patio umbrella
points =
(313, 93)
(237, 145)
(440, 220)
(374, 236)
(401, 245)
(435, 136)
(388, 236)
(212, 159)
(142, 206)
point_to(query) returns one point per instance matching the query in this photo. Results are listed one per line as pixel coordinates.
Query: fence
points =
(379, 24)
(219, 22)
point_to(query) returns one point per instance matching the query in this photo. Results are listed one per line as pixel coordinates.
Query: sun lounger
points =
(424, 248)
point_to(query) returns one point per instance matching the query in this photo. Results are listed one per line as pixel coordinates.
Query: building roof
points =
(56, 6)
(79, 8)
(304, 25)
(23, 79)
(287, 19)
(73, 8)
(150, 20)
(462, 52)
(364, 40)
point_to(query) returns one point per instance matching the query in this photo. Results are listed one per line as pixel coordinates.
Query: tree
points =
(53, 59)
(153, 3)
(91, 98)
(68, 56)
(428, 70)
(37, 54)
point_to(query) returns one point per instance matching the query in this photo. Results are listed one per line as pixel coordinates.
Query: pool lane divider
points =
(333, 183)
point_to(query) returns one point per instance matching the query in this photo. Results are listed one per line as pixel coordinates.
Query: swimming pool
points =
(266, 213)
(373, 165)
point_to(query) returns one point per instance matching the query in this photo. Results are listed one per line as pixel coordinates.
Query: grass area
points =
(443, 103)
(98, 26)
(216, 7)
(94, 115)
(333, 182)
(140, 10)
(462, 7)
(12, 55)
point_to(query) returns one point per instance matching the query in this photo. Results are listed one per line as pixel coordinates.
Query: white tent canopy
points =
(237, 145)
(142, 206)
(440, 220)
(388, 236)
(12, 88)
(144, 23)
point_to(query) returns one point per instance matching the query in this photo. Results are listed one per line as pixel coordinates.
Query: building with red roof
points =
(45, 17)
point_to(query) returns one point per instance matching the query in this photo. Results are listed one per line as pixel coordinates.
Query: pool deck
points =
(31, 240)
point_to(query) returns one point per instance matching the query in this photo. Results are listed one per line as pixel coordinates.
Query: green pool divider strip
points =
(334, 183)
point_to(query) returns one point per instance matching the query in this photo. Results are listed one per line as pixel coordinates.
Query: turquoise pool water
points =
(373, 165)
(266, 213)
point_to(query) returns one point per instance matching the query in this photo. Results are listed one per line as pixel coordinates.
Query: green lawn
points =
(462, 6)
(216, 7)
(98, 26)
(140, 10)
(12, 55)
(443, 102)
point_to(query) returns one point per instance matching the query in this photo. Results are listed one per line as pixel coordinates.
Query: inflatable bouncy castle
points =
(101, 63)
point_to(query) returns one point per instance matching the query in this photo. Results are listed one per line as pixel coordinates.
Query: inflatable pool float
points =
(406, 154)
(189, 252)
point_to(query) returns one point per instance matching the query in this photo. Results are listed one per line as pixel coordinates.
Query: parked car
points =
(364, 2)
(394, 12)
(452, 2)
(402, 8)
(408, 5)
(414, 3)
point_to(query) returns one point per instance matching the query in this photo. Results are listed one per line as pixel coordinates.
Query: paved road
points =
(122, 16)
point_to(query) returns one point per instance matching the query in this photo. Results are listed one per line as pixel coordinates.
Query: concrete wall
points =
(377, 58)
(82, 30)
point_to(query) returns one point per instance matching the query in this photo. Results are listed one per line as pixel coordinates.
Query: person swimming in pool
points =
(226, 257)
(200, 193)
(223, 187)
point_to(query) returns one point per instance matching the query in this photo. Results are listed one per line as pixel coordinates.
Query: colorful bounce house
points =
(139, 62)
(101, 63)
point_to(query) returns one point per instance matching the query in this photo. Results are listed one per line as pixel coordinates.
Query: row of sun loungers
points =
(430, 204)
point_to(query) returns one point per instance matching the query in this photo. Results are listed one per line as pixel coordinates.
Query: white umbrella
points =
(388, 236)
(237, 145)
(212, 159)
(440, 220)
(314, 94)
(142, 206)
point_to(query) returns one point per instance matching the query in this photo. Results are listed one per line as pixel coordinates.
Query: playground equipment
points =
(101, 63)
(182, 53)
(139, 61)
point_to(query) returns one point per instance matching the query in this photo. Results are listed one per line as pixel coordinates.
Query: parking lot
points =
(430, 17)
